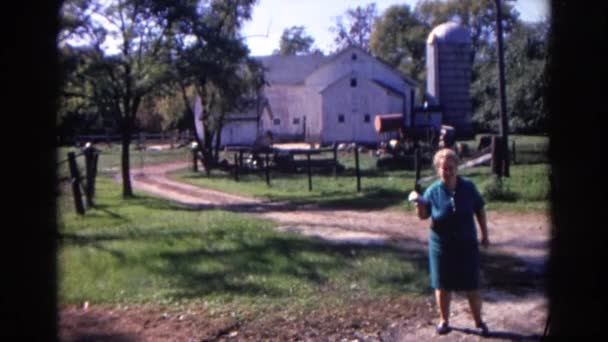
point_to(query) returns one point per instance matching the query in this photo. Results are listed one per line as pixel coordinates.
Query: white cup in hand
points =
(415, 197)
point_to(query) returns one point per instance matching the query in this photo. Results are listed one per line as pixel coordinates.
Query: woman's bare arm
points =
(483, 226)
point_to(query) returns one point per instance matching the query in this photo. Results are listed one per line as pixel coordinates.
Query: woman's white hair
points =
(445, 154)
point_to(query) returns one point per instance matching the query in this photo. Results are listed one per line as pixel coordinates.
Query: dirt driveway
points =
(519, 246)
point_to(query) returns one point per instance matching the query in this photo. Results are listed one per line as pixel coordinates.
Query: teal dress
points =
(453, 247)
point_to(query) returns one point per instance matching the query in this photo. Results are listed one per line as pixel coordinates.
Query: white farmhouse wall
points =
(239, 133)
(296, 109)
(367, 98)
(307, 93)
(364, 64)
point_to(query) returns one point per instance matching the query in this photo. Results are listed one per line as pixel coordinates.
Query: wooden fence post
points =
(357, 171)
(94, 169)
(513, 148)
(194, 160)
(497, 156)
(417, 167)
(75, 183)
(236, 168)
(309, 171)
(335, 160)
(90, 155)
(267, 169)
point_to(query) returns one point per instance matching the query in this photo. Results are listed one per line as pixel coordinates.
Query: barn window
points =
(353, 57)
(366, 118)
(353, 82)
(341, 118)
(296, 121)
(276, 121)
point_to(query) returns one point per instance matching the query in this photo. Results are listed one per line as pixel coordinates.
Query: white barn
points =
(323, 99)
(334, 98)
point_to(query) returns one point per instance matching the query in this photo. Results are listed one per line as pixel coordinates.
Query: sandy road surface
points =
(512, 315)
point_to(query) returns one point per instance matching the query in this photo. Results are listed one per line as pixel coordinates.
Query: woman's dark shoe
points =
(443, 328)
(482, 328)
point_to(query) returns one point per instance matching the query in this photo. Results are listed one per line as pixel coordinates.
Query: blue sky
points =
(271, 17)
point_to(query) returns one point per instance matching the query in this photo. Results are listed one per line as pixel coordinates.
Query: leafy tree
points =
(295, 41)
(76, 111)
(524, 74)
(525, 57)
(356, 28)
(479, 16)
(120, 79)
(399, 38)
(209, 56)
(169, 109)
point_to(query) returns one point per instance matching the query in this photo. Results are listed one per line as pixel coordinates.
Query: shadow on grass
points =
(372, 198)
(510, 274)
(138, 200)
(271, 266)
(500, 271)
(103, 208)
(242, 263)
(88, 238)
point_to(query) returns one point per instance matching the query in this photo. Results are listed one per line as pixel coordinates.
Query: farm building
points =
(448, 65)
(324, 99)
(327, 99)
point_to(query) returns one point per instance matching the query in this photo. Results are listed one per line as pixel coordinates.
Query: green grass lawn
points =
(528, 148)
(526, 188)
(149, 250)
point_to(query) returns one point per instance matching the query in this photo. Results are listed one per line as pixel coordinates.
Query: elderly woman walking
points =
(452, 202)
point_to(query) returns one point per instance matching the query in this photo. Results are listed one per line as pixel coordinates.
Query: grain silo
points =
(448, 58)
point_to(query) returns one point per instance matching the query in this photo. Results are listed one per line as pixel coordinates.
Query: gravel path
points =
(522, 238)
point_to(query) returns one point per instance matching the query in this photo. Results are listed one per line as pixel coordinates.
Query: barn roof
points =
(294, 69)
(389, 87)
(350, 48)
(291, 69)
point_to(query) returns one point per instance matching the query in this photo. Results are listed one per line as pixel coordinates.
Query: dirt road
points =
(517, 253)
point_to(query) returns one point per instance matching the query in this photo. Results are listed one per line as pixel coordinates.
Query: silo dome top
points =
(449, 32)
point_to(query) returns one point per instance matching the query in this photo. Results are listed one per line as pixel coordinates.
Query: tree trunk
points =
(201, 144)
(218, 139)
(206, 150)
(127, 190)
